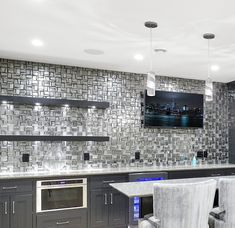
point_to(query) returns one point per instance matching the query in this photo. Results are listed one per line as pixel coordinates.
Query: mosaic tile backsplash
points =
(121, 121)
(231, 92)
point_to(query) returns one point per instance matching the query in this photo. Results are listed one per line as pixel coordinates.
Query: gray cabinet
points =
(108, 208)
(63, 219)
(4, 212)
(21, 211)
(118, 209)
(16, 207)
(99, 208)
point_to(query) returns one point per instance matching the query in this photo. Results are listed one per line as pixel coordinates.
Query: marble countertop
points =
(143, 189)
(103, 171)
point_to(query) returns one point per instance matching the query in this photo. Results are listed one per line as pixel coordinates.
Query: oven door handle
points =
(62, 186)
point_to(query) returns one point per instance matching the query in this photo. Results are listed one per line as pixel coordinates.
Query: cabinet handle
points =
(62, 223)
(215, 174)
(13, 207)
(111, 198)
(105, 199)
(5, 208)
(9, 188)
(108, 182)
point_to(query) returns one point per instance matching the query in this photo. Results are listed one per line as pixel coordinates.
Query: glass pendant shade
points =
(209, 90)
(150, 84)
(209, 82)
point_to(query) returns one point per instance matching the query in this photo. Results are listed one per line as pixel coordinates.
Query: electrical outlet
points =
(86, 156)
(137, 155)
(25, 157)
(200, 154)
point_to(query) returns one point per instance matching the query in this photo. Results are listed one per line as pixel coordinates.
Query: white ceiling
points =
(116, 27)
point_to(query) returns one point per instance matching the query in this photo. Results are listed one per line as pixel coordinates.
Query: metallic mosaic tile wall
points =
(121, 121)
(231, 92)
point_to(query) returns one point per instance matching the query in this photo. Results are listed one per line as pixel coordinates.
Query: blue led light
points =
(136, 200)
(136, 216)
(136, 206)
(149, 179)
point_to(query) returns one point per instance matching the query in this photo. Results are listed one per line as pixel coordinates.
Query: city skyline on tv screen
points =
(174, 109)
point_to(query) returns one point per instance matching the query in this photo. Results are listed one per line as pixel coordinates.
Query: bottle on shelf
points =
(194, 161)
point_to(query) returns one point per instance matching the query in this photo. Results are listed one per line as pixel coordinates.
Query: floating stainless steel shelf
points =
(54, 102)
(52, 138)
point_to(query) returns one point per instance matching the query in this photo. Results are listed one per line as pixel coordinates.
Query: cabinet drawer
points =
(230, 172)
(15, 186)
(104, 180)
(216, 172)
(196, 173)
(65, 219)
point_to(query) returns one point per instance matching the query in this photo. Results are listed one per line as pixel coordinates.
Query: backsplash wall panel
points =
(121, 121)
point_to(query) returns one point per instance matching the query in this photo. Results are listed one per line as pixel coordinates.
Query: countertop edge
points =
(107, 171)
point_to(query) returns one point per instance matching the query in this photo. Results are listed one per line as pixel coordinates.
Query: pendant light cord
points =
(151, 50)
(208, 61)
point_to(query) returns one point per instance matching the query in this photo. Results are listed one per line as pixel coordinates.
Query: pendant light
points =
(209, 82)
(150, 85)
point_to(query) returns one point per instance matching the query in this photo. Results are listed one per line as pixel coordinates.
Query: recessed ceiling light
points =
(37, 104)
(215, 68)
(138, 57)
(37, 43)
(4, 102)
(93, 52)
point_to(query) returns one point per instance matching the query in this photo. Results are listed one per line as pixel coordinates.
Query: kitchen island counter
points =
(145, 189)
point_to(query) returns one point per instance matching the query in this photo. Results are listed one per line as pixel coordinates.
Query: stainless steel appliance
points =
(138, 207)
(54, 195)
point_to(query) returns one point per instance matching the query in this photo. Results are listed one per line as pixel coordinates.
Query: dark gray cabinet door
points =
(118, 209)
(4, 211)
(99, 208)
(21, 211)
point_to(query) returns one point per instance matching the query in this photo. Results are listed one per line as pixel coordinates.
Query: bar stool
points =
(181, 205)
(223, 216)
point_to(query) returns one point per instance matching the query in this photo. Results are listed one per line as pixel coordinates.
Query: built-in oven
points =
(55, 195)
(140, 206)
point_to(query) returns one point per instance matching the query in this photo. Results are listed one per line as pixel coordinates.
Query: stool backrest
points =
(184, 205)
(227, 199)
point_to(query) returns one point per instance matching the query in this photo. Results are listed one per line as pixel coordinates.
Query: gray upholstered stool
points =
(224, 215)
(181, 205)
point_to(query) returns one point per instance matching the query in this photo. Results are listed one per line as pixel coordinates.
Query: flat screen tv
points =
(173, 110)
